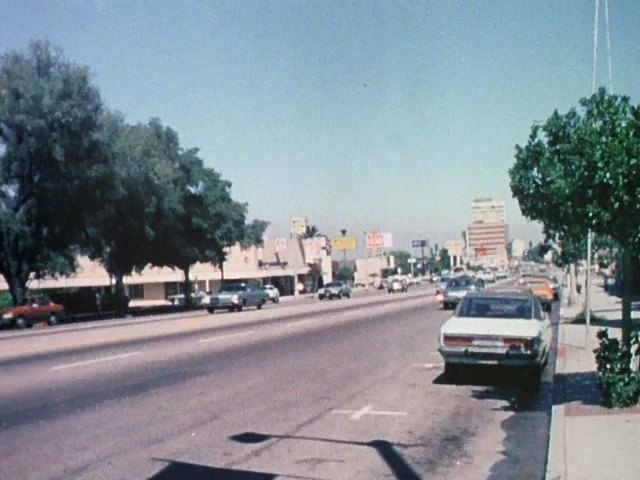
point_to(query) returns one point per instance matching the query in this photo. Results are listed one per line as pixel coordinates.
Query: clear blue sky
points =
(364, 115)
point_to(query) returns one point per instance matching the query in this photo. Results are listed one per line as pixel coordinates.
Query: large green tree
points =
(581, 170)
(52, 174)
(198, 219)
(122, 229)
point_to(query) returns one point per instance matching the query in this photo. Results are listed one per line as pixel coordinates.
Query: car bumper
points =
(223, 303)
(490, 356)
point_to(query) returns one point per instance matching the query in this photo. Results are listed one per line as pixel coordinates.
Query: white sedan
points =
(492, 328)
(273, 292)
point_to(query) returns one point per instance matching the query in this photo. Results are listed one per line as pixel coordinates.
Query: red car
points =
(33, 311)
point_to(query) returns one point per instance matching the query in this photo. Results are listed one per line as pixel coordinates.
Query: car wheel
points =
(53, 320)
(211, 310)
(451, 372)
(21, 323)
(261, 304)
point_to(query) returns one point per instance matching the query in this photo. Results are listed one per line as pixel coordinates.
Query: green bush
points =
(5, 300)
(617, 379)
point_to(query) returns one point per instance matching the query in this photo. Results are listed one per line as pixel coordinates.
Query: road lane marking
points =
(367, 410)
(95, 360)
(428, 366)
(224, 337)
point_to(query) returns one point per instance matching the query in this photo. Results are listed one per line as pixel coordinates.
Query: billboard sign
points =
(379, 240)
(344, 243)
(455, 247)
(298, 226)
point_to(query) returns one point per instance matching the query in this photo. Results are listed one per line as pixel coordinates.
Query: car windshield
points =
(333, 284)
(501, 307)
(232, 288)
(460, 282)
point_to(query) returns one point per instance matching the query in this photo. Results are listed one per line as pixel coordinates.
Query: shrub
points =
(617, 378)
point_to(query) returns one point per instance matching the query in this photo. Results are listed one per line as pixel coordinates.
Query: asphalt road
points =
(345, 389)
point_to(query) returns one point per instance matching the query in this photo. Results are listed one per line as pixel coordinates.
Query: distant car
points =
(34, 310)
(487, 276)
(273, 292)
(197, 298)
(397, 285)
(237, 296)
(441, 284)
(501, 274)
(337, 289)
(507, 329)
(456, 290)
(542, 289)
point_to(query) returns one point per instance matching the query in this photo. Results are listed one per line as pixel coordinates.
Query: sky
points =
(358, 115)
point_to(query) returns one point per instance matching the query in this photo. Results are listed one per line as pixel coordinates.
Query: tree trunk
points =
(187, 286)
(17, 287)
(573, 281)
(627, 281)
(121, 297)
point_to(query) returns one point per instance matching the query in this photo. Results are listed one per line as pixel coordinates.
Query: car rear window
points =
(484, 307)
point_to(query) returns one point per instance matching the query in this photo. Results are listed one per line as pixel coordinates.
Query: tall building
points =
(487, 234)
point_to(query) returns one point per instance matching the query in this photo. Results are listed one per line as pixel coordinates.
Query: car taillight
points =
(457, 341)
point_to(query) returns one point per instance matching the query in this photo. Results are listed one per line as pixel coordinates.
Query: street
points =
(341, 389)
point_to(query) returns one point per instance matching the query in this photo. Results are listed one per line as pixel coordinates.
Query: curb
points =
(557, 452)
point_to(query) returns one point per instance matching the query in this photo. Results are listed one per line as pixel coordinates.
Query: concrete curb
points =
(557, 453)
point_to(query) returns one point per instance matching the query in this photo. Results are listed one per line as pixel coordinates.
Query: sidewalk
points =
(587, 440)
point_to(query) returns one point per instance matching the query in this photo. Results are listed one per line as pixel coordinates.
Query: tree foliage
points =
(52, 173)
(580, 170)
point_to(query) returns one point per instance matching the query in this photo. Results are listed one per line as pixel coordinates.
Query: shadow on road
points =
(387, 450)
(192, 471)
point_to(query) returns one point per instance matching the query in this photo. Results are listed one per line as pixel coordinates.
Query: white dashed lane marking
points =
(95, 360)
(225, 337)
(367, 410)
(428, 366)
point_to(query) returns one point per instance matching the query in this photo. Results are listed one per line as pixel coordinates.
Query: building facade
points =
(292, 265)
(487, 233)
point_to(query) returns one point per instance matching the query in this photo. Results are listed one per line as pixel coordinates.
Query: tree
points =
(345, 274)
(310, 231)
(401, 259)
(52, 174)
(580, 171)
(121, 231)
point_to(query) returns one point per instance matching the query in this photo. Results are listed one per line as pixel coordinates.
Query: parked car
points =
(237, 296)
(506, 329)
(541, 287)
(456, 290)
(337, 289)
(397, 285)
(273, 292)
(34, 310)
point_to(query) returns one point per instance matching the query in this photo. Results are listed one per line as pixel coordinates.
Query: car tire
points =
(21, 323)
(451, 372)
(53, 320)
(211, 310)
(533, 377)
(261, 304)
